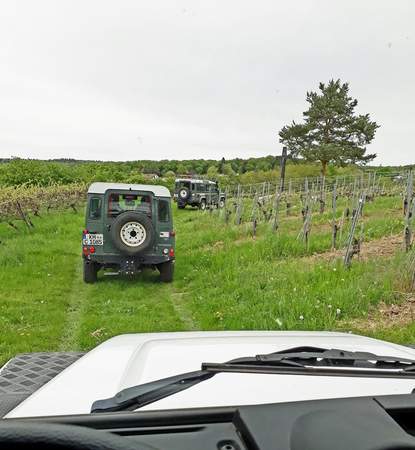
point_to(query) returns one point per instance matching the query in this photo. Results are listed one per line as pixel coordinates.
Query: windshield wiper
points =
(297, 361)
(335, 357)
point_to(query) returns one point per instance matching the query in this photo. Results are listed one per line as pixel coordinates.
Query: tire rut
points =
(69, 338)
(183, 313)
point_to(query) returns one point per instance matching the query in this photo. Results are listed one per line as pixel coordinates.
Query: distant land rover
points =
(199, 193)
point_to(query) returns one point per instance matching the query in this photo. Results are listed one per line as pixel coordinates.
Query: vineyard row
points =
(19, 203)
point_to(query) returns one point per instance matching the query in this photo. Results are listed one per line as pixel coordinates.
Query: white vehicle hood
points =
(132, 359)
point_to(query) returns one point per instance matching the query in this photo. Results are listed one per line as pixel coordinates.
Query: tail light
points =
(92, 249)
(172, 233)
(85, 251)
(171, 252)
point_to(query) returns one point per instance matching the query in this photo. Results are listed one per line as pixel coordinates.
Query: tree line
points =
(16, 169)
(17, 172)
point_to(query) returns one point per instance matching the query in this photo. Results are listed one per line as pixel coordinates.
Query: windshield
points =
(188, 183)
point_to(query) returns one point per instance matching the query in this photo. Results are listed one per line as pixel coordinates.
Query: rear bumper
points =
(190, 202)
(110, 260)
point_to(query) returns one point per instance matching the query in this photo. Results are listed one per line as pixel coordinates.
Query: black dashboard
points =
(366, 423)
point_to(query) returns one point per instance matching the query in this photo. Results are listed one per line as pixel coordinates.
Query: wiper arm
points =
(137, 396)
(297, 361)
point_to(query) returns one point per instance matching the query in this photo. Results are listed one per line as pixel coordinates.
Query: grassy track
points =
(225, 279)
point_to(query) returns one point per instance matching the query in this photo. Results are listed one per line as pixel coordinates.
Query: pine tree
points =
(331, 132)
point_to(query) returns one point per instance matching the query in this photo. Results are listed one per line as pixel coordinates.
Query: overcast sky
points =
(137, 79)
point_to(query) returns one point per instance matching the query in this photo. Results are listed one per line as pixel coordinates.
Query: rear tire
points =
(221, 203)
(202, 205)
(90, 271)
(166, 270)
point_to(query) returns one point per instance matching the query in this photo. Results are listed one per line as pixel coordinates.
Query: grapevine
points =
(22, 202)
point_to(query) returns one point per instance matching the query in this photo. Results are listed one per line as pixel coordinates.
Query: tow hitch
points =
(129, 267)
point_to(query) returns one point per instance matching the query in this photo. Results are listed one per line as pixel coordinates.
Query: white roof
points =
(101, 188)
(192, 180)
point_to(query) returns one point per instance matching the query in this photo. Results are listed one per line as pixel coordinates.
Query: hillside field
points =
(225, 280)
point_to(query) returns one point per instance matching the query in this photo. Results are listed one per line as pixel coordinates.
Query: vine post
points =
(353, 244)
(408, 212)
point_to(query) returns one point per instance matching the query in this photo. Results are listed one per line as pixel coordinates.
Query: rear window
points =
(181, 184)
(163, 211)
(95, 208)
(119, 203)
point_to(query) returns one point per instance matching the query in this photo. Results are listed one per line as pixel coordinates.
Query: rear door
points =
(117, 202)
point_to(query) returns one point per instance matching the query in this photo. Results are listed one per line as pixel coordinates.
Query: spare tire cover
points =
(184, 193)
(132, 233)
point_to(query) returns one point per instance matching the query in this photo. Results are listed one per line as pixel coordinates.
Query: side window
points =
(200, 187)
(193, 186)
(95, 207)
(163, 211)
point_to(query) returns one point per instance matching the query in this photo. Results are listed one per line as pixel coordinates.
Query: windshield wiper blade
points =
(297, 361)
(314, 356)
(329, 371)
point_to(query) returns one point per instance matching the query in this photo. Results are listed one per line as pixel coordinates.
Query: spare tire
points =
(184, 194)
(132, 233)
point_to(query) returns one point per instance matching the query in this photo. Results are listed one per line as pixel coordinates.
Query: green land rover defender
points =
(129, 227)
(200, 193)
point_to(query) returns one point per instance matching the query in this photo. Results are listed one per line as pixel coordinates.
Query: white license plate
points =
(93, 239)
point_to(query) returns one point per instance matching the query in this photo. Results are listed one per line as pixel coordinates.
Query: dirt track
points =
(387, 316)
(383, 247)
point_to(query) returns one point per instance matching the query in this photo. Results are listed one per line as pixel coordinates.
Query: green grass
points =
(225, 280)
